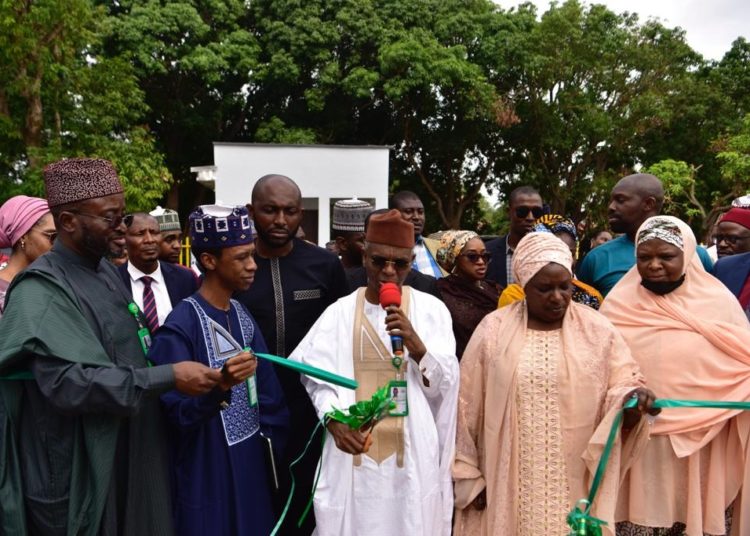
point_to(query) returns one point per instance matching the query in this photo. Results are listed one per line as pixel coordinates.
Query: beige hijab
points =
(693, 343)
(595, 373)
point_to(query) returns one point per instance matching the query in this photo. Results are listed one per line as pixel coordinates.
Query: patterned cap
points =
(218, 226)
(79, 179)
(741, 202)
(168, 219)
(350, 214)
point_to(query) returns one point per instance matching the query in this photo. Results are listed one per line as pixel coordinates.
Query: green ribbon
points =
(309, 370)
(360, 414)
(579, 519)
(294, 483)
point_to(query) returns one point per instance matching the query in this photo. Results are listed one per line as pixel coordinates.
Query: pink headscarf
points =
(537, 250)
(690, 344)
(17, 215)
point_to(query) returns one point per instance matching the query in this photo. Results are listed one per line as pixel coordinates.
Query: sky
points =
(710, 25)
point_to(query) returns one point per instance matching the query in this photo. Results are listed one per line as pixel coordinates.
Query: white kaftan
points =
(384, 499)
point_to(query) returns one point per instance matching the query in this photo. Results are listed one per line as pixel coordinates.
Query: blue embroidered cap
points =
(218, 226)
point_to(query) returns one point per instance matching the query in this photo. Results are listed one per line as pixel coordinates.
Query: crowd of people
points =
(136, 398)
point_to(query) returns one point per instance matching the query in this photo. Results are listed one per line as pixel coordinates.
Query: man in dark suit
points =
(156, 286)
(734, 272)
(525, 206)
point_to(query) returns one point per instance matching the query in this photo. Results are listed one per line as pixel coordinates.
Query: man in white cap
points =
(349, 230)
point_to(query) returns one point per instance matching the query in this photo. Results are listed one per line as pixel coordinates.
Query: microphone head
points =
(390, 294)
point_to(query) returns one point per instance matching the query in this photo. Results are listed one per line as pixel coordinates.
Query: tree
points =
(194, 60)
(60, 97)
(732, 153)
(395, 72)
(592, 85)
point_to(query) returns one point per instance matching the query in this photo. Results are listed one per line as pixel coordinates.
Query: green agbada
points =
(82, 446)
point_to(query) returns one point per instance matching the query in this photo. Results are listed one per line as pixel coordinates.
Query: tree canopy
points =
(471, 96)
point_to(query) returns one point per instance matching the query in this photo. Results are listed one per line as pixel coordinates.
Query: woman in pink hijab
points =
(691, 340)
(541, 382)
(27, 228)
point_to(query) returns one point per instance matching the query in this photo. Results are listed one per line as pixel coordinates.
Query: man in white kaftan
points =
(402, 484)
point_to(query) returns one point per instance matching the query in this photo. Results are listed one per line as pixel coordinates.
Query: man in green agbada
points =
(82, 444)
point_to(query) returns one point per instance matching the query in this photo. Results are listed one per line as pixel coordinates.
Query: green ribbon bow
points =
(579, 519)
(365, 412)
(360, 414)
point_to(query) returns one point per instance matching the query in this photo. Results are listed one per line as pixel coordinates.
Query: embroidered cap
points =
(218, 226)
(79, 179)
(390, 229)
(350, 214)
(168, 219)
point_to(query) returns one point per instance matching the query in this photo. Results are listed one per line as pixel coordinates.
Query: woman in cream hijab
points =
(541, 382)
(691, 339)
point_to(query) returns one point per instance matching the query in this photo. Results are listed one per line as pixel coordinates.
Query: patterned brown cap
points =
(78, 179)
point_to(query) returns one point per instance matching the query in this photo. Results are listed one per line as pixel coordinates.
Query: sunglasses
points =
(522, 212)
(113, 223)
(380, 262)
(729, 239)
(473, 258)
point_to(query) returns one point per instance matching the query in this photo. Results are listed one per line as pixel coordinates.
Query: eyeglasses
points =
(51, 235)
(380, 262)
(522, 212)
(729, 239)
(113, 223)
(473, 258)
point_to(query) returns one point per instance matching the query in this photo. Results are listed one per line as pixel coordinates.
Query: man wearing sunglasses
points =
(84, 447)
(525, 207)
(733, 244)
(392, 476)
(357, 277)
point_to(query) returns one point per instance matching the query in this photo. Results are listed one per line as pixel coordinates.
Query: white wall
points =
(321, 171)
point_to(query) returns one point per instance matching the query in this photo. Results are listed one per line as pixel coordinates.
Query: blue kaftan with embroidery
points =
(220, 483)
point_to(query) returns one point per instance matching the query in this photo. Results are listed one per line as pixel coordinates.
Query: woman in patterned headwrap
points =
(465, 291)
(564, 229)
(541, 382)
(691, 339)
(26, 226)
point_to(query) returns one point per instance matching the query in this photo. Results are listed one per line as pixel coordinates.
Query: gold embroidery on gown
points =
(543, 493)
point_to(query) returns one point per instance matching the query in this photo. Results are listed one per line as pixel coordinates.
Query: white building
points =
(324, 173)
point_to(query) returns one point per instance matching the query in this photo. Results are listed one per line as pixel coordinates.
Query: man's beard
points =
(96, 246)
(275, 241)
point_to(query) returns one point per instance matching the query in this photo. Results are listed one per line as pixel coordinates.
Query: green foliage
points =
(64, 98)
(678, 179)
(470, 96)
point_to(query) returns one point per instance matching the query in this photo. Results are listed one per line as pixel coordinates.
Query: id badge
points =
(397, 392)
(252, 391)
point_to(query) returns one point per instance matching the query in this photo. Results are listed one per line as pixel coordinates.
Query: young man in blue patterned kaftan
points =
(219, 465)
